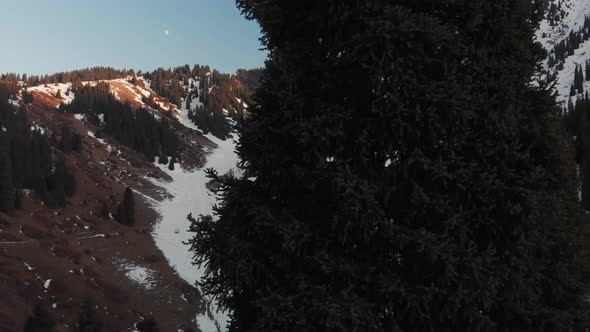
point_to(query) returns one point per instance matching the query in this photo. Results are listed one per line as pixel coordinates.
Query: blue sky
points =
(41, 36)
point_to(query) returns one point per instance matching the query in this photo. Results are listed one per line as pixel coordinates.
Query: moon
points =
(166, 32)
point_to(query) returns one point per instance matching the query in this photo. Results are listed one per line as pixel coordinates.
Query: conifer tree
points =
(65, 143)
(104, 211)
(148, 325)
(572, 90)
(27, 96)
(40, 320)
(579, 79)
(163, 160)
(171, 164)
(126, 211)
(17, 199)
(397, 186)
(585, 169)
(6, 177)
(87, 321)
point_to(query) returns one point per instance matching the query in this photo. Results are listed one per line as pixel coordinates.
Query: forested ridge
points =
(217, 93)
(569, 45)
(219, 97)
(74, 76)
(29, 161)
(139, 129)
(222, 101)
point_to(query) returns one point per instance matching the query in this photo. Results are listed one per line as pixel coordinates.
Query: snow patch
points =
(38, 128)
(137, 274)
(100, 140)
(190, 195)
(52, 89)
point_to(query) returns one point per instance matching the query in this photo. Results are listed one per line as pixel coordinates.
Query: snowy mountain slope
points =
(565, 77)
(190, 195)
(50, 92)
(570, 17)
(573, 14)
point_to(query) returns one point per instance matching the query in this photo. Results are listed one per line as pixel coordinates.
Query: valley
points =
(65, 256)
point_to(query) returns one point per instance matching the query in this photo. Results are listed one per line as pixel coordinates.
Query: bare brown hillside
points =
(65, 256)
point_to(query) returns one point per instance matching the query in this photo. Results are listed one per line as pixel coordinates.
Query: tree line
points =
(138, 129)
(27, 160)
(568, 45)
(219, 105)
(581, 75)
(554, 11)
(577, 122)
(217, 93)
(74, 76)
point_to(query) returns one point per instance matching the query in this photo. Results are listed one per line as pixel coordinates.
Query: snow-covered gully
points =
(190, 195)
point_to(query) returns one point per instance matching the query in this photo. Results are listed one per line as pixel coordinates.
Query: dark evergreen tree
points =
(572, 90)
(577, 122)
(579, 79)
(104, 211)
(407, 176)
(87, 320)
(163, 160)
(171, 164)
(27, 96)
(40, 320)
(6, 184)
(148, 325)
(126, 211)
(17, 199)
(60, 184)
(65, 143)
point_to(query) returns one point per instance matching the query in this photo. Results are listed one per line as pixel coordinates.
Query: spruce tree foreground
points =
(401, 173)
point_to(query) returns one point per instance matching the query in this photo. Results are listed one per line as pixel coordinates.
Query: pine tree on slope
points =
(87, 320)
(6, 177)
(148, 325)
(126, 211)
(407, 177)
(40, 320)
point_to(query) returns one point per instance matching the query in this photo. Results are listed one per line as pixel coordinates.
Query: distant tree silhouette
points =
(148, 325)
(40, 320)
(126, 211)
(87, 320)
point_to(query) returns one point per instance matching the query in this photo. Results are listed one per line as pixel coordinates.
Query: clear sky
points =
(47, 36)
